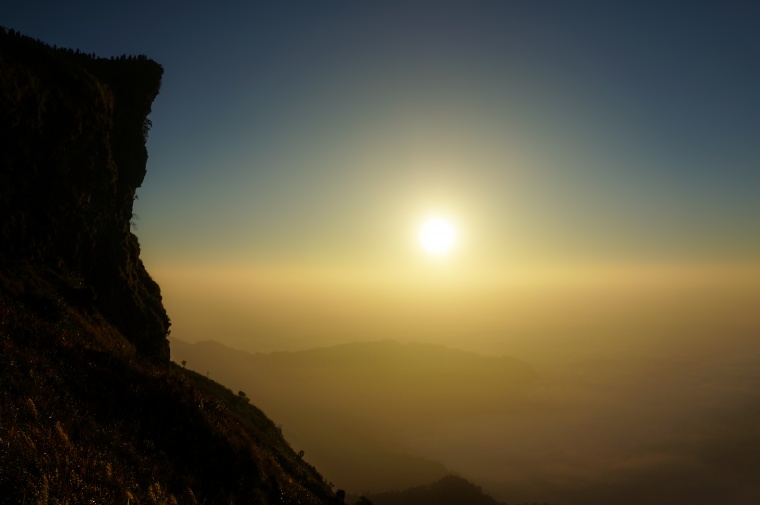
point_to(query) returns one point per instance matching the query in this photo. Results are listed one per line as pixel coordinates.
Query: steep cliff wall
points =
(84, 416)
(72, 154)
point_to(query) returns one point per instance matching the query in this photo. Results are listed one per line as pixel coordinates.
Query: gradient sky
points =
(600, 159)
(318, 134)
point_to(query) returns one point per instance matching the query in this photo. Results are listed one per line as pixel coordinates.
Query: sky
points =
(599, 162)
(297, 147)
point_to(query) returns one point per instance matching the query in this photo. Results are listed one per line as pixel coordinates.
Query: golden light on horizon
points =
(437, 236)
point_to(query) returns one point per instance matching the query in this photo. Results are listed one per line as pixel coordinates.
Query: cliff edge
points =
(72, 154)
(91, 409)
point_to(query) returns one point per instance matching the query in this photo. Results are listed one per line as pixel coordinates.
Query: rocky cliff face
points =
(72, 154)
(91, 410)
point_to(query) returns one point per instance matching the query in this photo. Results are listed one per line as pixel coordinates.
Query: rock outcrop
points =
(72, 154)
(91, 409)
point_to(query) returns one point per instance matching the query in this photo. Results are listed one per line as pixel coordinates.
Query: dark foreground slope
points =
(91, 411)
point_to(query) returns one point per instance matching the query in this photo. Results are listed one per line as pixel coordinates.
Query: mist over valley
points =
(382, 415)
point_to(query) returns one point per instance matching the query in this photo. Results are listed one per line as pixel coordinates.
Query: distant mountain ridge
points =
(376, 354)
(420, 374)
(350, 406)
(450, 490)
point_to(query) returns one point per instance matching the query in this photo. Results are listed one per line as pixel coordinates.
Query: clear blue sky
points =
(320, 131)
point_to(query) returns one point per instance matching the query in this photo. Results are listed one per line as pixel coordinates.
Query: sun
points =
(437, 236)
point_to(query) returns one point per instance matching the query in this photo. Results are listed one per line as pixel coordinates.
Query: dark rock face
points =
(72, 154)
(84, 418)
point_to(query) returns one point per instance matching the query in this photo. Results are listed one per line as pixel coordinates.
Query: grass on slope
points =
(85, 420)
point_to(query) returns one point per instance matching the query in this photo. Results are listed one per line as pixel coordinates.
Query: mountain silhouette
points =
(91, 409)
(350, 406)
(450, 490)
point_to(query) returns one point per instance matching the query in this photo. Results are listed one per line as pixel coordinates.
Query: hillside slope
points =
(91, 410)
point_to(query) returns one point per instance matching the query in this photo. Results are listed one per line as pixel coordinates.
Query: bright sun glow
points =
(437, 236)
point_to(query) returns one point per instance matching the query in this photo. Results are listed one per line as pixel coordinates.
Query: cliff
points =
(72, 152)
(91, 410)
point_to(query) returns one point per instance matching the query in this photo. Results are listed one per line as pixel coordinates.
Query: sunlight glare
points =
(437, 236)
